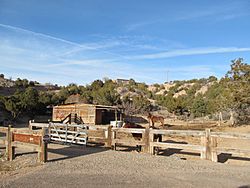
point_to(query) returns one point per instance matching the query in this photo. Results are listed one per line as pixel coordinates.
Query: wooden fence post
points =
(146, 140)
(205, 154)
(113, 139)
(7, 142)
(109, 137)
(30, 127)
(213, 145)
(151, 140)
(10, 148)
(43, 153)
(210, 144)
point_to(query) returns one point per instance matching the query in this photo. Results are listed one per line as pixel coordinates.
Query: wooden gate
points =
(68, 133)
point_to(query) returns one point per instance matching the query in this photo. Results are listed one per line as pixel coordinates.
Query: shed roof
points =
(90, 105)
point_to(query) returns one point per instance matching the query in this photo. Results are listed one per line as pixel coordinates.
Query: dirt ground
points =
(72, 166)
(96, 166)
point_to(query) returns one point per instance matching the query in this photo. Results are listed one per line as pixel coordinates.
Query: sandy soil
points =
(73, 166)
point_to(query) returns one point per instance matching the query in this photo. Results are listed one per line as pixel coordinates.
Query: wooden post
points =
(109, 137)
(213, 145)
(146, 140)
(116, 117)
(113, 139)
(43, 153)
(66, 134)
(205, 154)
(210, 144)
(70, 118)
(151, 140)
(220, 118)
(30, 126)
(7, 142)
(10, 148)
(75, 118)
(120, 116)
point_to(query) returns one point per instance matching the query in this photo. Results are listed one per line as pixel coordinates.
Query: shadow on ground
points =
(224, 157)
(71, 151)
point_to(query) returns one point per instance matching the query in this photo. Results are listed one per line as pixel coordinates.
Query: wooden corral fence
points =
(32, 140)
(141, 134)
(153, 145)
(215, 150)
(208, 148)
(100, 134)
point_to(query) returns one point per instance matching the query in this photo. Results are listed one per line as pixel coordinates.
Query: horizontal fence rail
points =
(140, 138)
(150, 140)
(177, 132)
(99, 134)
(154, 146)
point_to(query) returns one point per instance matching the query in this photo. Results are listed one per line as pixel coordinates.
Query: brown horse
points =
(153, 119)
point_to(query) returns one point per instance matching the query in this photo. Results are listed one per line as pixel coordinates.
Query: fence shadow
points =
(25, 153)
(73, 151)
(244, 186)
(224, 157)
(127, 148)
(171, 151)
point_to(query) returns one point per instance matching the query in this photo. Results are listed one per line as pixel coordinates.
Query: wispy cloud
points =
(83, 62)
(213, 13)
(135, 26)
(193, 51)
(39, 34)
(218, 12)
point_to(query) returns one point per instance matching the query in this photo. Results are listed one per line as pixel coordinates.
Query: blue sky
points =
(82, 40)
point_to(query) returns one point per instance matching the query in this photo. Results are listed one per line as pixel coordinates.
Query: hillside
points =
(206, 97)
(6, 82)
(9, 86)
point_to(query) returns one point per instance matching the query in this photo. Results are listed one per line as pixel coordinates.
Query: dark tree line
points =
(231, 93)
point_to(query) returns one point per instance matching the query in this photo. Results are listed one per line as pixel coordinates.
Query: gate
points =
(68, 133)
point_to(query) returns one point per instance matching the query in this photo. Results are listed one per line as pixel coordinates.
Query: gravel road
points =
(98, 167)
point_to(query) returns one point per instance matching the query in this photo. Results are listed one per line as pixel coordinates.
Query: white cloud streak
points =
(39, 34)
(192, 51)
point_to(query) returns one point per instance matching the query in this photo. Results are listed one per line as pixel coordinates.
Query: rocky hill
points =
(6, 82)
(9, 86)
(175, 88)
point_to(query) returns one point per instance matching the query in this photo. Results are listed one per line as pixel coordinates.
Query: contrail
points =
(41, 35)
(80, 46)
(192, 51)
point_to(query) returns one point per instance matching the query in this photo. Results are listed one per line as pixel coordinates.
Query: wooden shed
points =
(89, 113)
